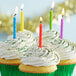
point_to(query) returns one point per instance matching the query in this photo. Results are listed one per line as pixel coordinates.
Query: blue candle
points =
(14, 27)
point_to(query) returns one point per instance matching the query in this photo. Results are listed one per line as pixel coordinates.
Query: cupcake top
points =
(49, 37)
(66, 49)
(15, 48)
(26, 38)
(40, 57)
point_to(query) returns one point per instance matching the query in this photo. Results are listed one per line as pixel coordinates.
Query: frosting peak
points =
(66, 50)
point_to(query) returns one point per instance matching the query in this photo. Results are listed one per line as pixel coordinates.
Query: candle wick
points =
(15, 14)
(51, 9)
(62, 16)
(40, 21)
(21, 9)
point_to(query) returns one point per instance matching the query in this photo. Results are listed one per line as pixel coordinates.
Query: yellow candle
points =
(22, 18)
(22, 22)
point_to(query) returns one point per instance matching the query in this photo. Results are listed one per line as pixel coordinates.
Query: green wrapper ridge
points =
(65, 70)
(10, 70)
(39, 74)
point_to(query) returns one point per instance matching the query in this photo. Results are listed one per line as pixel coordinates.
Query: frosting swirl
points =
(15, 48)
(40, 57)
(66, 50)
(49, 37)
(23, 38)
(50, 34)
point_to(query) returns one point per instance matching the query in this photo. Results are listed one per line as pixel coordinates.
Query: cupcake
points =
(67, 52)
(12, 51)
(9, 61)
(1, 45)
(39, 62)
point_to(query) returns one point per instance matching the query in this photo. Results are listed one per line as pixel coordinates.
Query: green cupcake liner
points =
(0, 68)
(10, 70)
(39, 74)
(64, 70)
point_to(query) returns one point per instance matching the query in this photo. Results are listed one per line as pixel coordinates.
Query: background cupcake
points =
(12, 50)
(9, 61)
(39, 62)
(1, 45)
(67, 52)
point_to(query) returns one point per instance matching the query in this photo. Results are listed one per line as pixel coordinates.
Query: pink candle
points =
(61, 35)
(61, 31)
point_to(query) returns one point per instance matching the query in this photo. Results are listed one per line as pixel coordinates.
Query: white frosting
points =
(15, 48)
(23, 38)
(40, 57)
(65, 48)
(50, 35)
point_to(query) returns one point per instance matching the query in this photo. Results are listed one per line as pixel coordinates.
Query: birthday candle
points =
(50, 19)
(40, 33)
(14, 23)
(14, 27)
(61, 36)
(61, 33)
(22, 18)
(51, 14)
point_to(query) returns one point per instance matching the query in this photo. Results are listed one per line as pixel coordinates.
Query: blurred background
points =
(33, 9)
